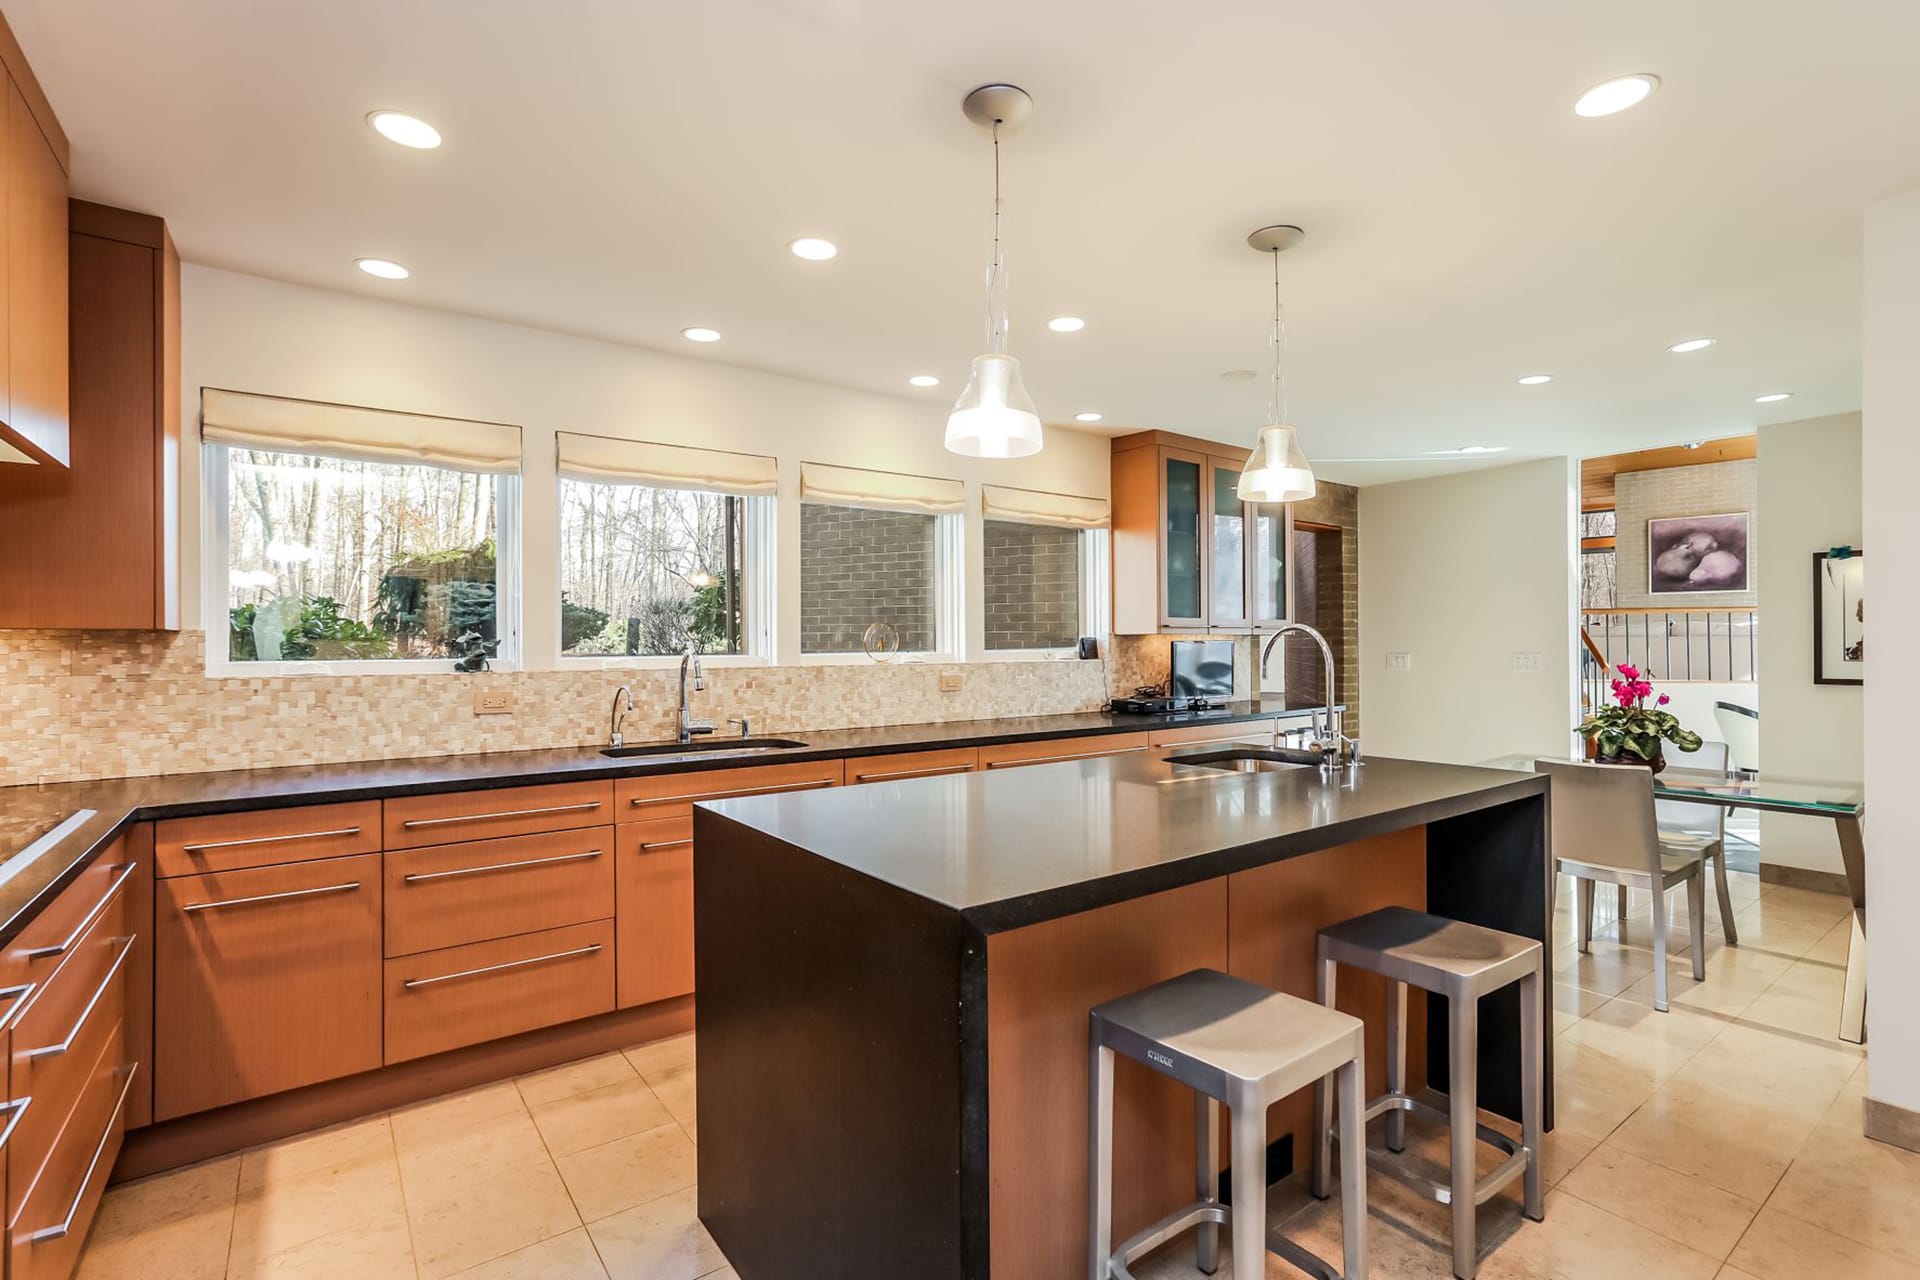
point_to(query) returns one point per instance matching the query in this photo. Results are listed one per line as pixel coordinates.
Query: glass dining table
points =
(1844, 803)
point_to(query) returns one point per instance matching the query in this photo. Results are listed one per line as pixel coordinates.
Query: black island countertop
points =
(1013, 848)
(34, 868)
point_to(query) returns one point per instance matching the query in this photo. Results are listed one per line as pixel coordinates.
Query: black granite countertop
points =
(33, 869)
(1012, 848)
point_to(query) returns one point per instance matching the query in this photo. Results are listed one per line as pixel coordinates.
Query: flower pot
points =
(1658, 763)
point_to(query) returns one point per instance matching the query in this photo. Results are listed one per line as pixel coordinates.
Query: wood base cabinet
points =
(265, 979)
(440, 1000)
(653, 891)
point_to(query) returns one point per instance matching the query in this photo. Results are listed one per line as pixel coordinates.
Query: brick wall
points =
(1713, 489)
(1033, 585)
(1339, 505)
(858, 567)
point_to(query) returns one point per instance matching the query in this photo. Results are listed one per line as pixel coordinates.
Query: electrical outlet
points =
(950, 682)
(493, 702)
(1399, 662)
(1527, 663)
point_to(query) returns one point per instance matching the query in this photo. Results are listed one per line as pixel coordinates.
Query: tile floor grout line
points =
(400, 1178)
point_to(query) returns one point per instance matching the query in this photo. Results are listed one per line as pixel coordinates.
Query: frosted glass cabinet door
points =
(1227, 536)
(1269, 568)
(1181, 505)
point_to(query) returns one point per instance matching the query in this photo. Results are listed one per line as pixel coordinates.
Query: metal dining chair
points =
(1604, 830)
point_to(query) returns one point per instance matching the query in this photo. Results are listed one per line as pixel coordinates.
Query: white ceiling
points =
(625, 168)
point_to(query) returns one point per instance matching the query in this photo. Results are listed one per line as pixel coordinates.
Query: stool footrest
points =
(1483, 1190)
(1198, 1214)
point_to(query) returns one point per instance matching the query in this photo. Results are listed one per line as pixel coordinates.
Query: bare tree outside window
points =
(644, 570)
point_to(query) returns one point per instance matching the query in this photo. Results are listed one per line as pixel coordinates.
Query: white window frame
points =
(949, 599)
(759, 560)
(1096, 590)
(215, 588)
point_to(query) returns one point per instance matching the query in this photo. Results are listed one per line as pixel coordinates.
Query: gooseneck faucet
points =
(690, 664)
(622, 708)
(1330, 742)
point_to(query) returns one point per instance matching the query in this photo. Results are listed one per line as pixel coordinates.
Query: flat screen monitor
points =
(1202, 669)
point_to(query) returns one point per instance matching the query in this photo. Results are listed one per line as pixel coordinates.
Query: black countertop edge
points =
(1013, 913)
(121, 802)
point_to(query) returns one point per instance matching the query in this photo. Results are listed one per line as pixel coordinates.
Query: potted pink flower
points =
(1631, 732)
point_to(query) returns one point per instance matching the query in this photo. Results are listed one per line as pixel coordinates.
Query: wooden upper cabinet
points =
(33, 336)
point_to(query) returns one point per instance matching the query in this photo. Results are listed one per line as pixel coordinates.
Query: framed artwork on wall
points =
(1692, 555)
(1839, 617)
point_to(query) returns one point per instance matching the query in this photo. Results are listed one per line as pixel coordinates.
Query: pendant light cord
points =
(996, 323)
(1277, 404)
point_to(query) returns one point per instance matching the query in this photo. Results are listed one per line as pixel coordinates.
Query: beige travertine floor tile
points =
(1809, 902)
(1855, 1187)
(1848, 1106)
(581, 1120)
(1797, 1074)
(302, 1201)
(662, 1055)
(1710, 1133)
(1580, 1241)
(575, 1077)
(1594, 1090)
(445, 1145)
(177, 1225)
(1684, 1209)
(376, 1249)
(659, 1240)
(1736, 977)
(675, 1088)
(1608, 969)
(1833, 944)
(451, 1118)
(628, 1171)
(459, 1223)
(357, 1143)
(1805, 1000)
(1735, 1273)
(568, 1256)
(1779, 1246)
(1658, 1043)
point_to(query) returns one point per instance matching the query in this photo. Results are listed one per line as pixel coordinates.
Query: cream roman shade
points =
(351, 431)
(1029, 506)
(605, 460)
(888, 490)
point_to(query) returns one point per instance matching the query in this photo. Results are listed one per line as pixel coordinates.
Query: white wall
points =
(1463, 572)
(244, 333)
(1810, 496)
(1890, 458)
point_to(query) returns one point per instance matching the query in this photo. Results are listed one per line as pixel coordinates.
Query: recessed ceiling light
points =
(1467, 449)
(1691, 344)
(813, 248)
(1086, 417)
(408, 131)
(698, 334)
(1773, 397)
(382, 268)
(1066, 324)
(1616, 95)
(1237, 375)
(1536, 379)
(924, 380)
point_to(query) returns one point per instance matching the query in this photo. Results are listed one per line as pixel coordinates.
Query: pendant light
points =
(994, 417)
(1276, 470)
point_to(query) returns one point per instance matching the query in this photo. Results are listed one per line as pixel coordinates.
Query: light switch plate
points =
(1399, 662)
(950, 682)
(493, 702)
(1527, 663)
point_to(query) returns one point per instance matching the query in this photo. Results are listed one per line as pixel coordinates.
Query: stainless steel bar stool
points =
(1234, 1042)
(1461, 962)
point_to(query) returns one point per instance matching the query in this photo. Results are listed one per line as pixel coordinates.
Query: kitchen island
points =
(894, 984)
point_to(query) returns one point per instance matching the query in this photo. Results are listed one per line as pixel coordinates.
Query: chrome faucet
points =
(1329, 742)
(690, 664)
(622, 708)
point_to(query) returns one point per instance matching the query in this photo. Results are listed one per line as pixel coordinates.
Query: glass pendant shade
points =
(994, 416)
(1276, 470)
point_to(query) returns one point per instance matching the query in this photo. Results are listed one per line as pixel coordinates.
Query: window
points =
(1044, 565)
(878, 548)
(338, 534)
(336, 560)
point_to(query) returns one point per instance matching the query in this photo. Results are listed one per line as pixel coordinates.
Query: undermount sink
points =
(716, 746)
(1252, 760)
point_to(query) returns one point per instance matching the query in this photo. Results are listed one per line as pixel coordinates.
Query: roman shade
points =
(605, 460)
(887, 490)
(250, 421)
(1029, 506)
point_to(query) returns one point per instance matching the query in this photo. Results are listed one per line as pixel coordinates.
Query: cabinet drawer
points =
(265, 837)
(59, 1037)
(655, 922)
(441, 1000)
(912, 764)
(673, 795)
(413, 821)
(1049, 750)
(446, 895)
(264, 980)
(46, 1232)
(1241, 731)
(50, 937)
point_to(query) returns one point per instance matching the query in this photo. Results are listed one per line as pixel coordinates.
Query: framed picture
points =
(1694, 555)
(1839, 619)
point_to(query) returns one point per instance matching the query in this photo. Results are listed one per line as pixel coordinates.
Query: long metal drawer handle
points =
(36, 953)
(411, 983)
(252, 840)
(80, 1196)
(80, 1023)
(917, 773)
(15, 1109)
(410, 823)
(272, 897)
(664, 844)
(1084, 755)
(639, 801)
(419, 876)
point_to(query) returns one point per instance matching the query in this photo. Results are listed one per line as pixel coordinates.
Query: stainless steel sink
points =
(704, 746)
(1252, 760)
